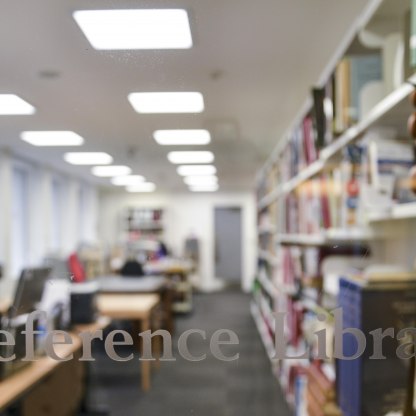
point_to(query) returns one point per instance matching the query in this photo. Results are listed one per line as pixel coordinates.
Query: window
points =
(82, 213)
(20, 220)
(57, 195)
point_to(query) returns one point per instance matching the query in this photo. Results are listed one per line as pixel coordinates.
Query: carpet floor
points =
(244, 387)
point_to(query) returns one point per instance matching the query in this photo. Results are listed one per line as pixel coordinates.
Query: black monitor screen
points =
(29, 290)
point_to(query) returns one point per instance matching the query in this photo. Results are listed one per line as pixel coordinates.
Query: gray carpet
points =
(209, 387)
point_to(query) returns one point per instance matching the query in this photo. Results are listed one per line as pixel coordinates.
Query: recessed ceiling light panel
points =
(135, 29)
(88, 158)
(204, 188)
(143, 187)
(128, 180)
(190, 157)
(11, 104)
(167, 102)
(110, 171)
(194, 170)
(182, 137)
(52, 138)
(200, 180)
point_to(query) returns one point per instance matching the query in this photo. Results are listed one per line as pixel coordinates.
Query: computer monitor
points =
(59, 268)
(29, 290)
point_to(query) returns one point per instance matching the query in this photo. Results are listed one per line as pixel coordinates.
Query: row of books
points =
(361, 385)
(358, 390)
(336, 106)
(312, 391)
(328, 201)
(269, 181)
(372, 177)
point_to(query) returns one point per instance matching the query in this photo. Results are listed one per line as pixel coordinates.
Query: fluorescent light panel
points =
(196, 170)
(182, 137)
(204, 188)
(135, 29)
(52, 138)
(191, 157)
(110, 171)
(200, 180)
(143, 187)
(88, 158)
(128, 180)
(11, 104)
(167, 102)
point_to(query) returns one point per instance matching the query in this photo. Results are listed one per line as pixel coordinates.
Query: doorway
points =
(228, 244)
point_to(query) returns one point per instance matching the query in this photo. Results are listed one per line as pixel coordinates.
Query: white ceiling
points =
(254, 62)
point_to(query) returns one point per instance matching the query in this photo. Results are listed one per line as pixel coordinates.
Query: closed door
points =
(228, 243)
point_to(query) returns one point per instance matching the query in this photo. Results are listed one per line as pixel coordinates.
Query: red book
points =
(309, 140)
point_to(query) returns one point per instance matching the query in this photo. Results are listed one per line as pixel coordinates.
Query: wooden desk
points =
(177, 271)
(136, 308)
(115, 284)
(18, 384)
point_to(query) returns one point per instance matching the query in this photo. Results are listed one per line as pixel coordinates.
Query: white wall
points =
(185, 214)
(39, 213)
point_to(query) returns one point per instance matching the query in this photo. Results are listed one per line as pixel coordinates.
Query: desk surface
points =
(168, 266)
(142, 284)
(13, 387)
(127, 306)
(137, 308)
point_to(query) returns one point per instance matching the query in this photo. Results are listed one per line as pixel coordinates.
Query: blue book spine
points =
(349, 371)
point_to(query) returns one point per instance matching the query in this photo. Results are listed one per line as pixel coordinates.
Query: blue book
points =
(374, 387)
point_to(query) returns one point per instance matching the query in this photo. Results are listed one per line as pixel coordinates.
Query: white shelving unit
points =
(263, 331)
(148, 222)
(398, 212)
(392, 111)
(396, 98)
(329, 236)
(268, 285)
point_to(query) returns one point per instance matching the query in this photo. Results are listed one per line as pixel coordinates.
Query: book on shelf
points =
(318, 112)
(342, 96)
(323, 114)
(330, 201)
(374, 387)
(325, 196)
(351, 75)
(383, 273)
(309, 144)
(386, 164)
(321, 388)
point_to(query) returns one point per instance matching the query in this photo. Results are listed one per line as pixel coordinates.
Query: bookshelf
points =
(325, 237)
(398, 212)
(398, 98)
(329, 198)
(143, 220)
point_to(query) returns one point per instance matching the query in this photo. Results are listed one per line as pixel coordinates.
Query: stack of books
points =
(321, 394)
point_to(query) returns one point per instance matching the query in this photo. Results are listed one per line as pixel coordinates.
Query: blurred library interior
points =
(208, 208)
